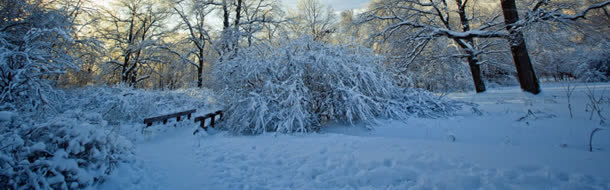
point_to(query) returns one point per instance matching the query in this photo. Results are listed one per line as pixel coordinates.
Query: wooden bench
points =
(211, 116)
(164, 118)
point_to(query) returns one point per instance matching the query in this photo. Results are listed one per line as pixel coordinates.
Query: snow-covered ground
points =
(502, 148)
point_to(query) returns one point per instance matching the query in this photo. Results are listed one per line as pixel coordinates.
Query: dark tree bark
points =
(477, 78)
(235, 42)
(225, 29)
(198, 36)
(525, 70)
(473, 60)
(200, 68)
(225, 15)
(130, 39)
(238, 12)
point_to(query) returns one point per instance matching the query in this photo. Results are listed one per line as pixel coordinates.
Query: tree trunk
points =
(130, 40)
(238, 13)
(235, 39)
(225, 31)
(200, 69)
(467, 45)
(477, 77)
(225, 13)
(473, 61)
(525, 70)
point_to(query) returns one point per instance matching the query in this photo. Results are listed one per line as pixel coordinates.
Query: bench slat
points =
(164, 118)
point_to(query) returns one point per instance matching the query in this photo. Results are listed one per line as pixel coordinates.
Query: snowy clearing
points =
(310, 98)
(548, 150)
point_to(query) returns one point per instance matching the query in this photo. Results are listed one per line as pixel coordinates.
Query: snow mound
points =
(66, 153)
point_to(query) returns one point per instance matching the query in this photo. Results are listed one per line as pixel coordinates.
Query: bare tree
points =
(314, 19)
(132, 33)
(227, 45)
(525, 70)
(424, 20)
(193, 14)
(261, 16)
(348, 31)
(36, 40)
(89, 50)
(539, 12)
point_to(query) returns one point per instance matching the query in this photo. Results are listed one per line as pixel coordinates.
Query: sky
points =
(338, 5)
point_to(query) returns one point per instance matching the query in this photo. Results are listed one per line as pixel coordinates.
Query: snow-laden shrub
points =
(130, 105)
(298, 86)
(441, 76)
(436, 72)
(594, 67)
(79, 143)
(35, 44)
(72, 151)
(587, 64)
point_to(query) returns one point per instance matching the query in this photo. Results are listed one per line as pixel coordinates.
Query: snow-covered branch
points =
(541, 13)
(435, 31)
(295, 87)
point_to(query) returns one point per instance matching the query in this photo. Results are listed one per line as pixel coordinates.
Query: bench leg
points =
(202, 124)
(165, 121)
(178, 118)
(189, 116)
(212, 121)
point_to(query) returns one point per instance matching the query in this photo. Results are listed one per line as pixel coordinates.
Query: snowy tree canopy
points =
(34, 46)
(298, 86)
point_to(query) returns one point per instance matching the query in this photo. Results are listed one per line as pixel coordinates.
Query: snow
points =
(57, 153)
(469, 151)
(293, 91)
(6, 115)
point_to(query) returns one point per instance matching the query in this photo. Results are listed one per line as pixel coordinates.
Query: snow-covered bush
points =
(130, 105)
(594, 67)
(298, 86)
(72, 151)
(431, 69)
(34, 47)
(499, 75)
(446, 75)
(587, 64)
(77, 144)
